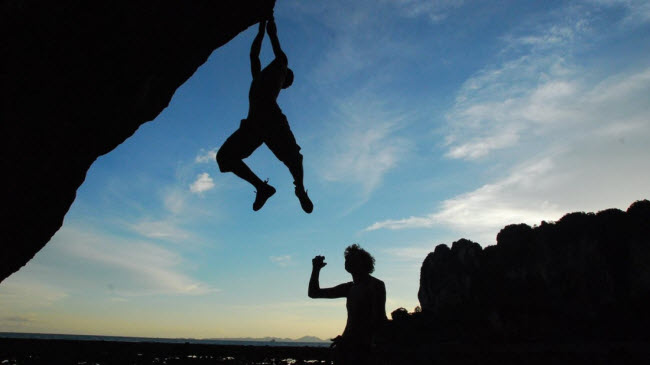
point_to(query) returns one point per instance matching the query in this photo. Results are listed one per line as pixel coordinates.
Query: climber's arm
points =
(272, 30)
(256, 66)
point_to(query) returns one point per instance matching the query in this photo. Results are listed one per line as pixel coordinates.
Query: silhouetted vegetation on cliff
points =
(585, 277)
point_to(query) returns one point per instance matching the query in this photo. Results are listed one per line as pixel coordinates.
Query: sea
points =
(238, 342)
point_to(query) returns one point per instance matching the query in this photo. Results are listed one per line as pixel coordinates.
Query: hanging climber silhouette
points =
(265, 123)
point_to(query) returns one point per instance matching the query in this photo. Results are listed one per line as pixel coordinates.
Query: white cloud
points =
(132, 267)
(362, 143)
(497, 107)
(26, 291)
(20, 322)
(581, 139)
(365, 144)
(364, 156)
(282, 261)
(550, 38)
(592, 160)
(533, 90)
(483, 212)
(206, 156)
(539, 93)
(479, 147)
(174, 200)
(163, 229)
(638, 11)
(436, 11)
(352, 49)
(202, 183)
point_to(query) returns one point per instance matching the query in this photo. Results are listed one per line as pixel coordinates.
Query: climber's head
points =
(288, 79)
(358, 260)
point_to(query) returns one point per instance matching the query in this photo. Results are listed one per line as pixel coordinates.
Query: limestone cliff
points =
(77, 78)
(584, 277)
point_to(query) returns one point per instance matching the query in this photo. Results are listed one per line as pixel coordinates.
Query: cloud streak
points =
(134, 267)
(24, 291)
(366, 148)
(576, 133)
(637, 11)
(436, 11)
(539, 91)
(282, 261)
(484, 211)
(162, 229)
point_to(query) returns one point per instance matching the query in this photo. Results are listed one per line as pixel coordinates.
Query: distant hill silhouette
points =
(268, 339)
(585, 277)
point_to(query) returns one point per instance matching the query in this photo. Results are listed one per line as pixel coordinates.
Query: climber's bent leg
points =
(282, 143)
(237, 147)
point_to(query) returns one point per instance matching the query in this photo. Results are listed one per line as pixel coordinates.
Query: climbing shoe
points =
(264, 192)
(305, 202)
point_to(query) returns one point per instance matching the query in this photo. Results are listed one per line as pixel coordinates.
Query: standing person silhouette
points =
(265, 123)
(366, 304)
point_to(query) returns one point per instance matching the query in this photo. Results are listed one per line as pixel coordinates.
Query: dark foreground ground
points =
(37, 351)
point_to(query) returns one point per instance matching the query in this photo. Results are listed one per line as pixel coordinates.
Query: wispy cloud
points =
(365, 112)
(538, 92)
(202, 183)
(436, 11)
(18, 323)
(25, 291)
(282, 261)
(563, 121)
(174, 200)
(495, 108)
(484, 211)
(364, 156)
(478, 147)
(364, 144)
(162, 229)
(547, 109)
(132, 267)
(15, 319)
(206, 156)
(568, 173)
(637, 11)
(548, 37)
(534, 87)
(364, 37)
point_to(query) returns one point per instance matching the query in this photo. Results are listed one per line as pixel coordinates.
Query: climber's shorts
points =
(273, 130)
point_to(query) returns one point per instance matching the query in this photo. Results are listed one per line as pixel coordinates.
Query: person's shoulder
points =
(347, 285)
(377, 281)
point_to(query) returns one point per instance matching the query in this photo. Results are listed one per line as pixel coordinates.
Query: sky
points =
(420, 122)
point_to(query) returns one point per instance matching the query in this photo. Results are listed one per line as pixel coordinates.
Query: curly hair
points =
(359, 258)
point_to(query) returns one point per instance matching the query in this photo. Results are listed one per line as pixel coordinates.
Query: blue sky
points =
(421, 122)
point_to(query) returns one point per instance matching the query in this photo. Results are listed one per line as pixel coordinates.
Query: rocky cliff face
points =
(79, 77)
(586, 276)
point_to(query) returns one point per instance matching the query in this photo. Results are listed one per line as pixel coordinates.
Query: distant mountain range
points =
(270, 339)
(54, 336)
